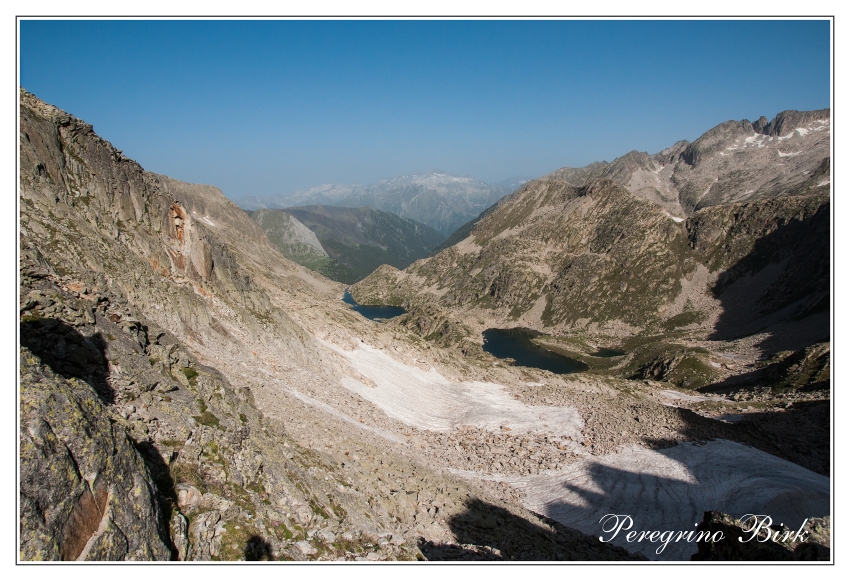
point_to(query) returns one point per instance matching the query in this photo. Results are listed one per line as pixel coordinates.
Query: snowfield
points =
(667, 489)
(670, 489)
(427, 400)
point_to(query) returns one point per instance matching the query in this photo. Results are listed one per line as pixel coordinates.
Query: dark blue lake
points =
(516, 344)
(373, 313)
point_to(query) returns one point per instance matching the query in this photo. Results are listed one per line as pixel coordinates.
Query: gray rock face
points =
(294, 239)
(85, 492)
(737, 161)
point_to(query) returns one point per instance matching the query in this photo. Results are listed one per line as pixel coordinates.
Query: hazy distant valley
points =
(442, 201)
(193, 386)
(346, 244)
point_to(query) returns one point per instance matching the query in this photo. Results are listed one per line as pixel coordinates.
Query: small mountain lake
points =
(373, 313)
(516, 344)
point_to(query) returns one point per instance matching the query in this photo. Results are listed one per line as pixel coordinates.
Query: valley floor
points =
(554, 463)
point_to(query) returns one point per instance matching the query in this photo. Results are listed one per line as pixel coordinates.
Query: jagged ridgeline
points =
(346, 244)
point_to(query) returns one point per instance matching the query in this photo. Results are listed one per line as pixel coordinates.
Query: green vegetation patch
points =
(240, 541)
(207, 418)
(191, 375)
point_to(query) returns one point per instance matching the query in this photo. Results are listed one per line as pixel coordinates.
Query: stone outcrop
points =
(85, 491)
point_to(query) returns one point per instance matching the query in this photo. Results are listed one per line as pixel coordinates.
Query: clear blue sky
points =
(259, 108)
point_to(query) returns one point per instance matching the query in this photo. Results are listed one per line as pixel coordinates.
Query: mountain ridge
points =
(584, 259)
(735, 161)
(189, 393)
(439, 200)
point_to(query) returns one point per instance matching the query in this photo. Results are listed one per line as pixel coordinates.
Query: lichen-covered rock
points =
(85, 492)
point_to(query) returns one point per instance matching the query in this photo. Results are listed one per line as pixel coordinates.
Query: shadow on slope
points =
(490, 533)
(69, 353)
(785, 375)
(669, 490)
(774, 433)
(258, 549)
(166, 493)
(781, 286)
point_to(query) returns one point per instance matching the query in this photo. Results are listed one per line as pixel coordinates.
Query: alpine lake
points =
(517, 344)
(375, 313)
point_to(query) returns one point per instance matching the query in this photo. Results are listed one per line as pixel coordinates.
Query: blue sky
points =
(259, 108)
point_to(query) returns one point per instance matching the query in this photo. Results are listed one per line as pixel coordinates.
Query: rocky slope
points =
(732, 300)
(294, 240)
(737, 161)
(599, 259)
(442, 201)
(156, 322)
(356, 240)
(167, 343)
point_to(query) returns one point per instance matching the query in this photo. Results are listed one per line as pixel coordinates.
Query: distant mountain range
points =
(440, 200)
(346, 244)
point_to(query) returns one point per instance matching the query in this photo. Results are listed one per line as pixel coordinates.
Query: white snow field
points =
(662, 490)
(427, 400)
(670, 489)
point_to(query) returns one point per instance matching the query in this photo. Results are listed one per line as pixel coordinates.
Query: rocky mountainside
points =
(187, 392)
(294, 240)
(355, 241)
(442, 201)
(563, 258)
(182, 388)
(737, 161)
(703, 302)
